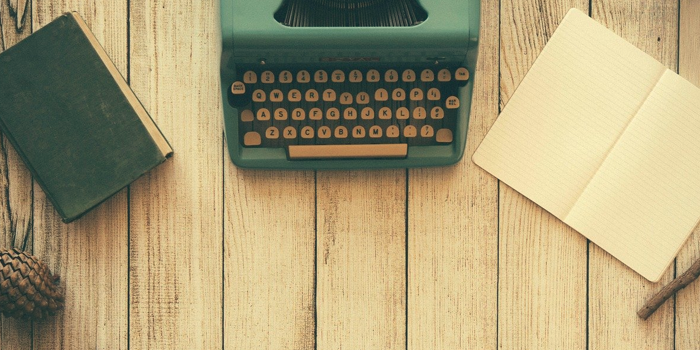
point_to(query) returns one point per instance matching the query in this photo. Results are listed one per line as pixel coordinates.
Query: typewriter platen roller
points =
(312, 84)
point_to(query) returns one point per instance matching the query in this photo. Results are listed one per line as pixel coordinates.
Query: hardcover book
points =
(73, 119)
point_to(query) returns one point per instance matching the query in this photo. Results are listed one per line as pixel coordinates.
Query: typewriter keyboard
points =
(347, 113)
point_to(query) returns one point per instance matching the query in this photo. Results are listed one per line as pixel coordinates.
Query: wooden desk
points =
(201, 255)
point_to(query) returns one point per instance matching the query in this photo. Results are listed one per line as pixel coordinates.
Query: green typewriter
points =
(340, 84)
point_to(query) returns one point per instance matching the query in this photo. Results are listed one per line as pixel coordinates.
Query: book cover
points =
(73, 119)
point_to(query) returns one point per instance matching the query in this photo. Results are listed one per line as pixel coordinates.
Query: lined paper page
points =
(644, 201)
(566, 114)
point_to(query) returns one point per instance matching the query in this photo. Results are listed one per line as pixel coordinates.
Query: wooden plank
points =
(615, 291)
(269, 252)
(453, 229)
(361, 262)
(688, 300)
(91, 254)
(177, 210)
(15, 180)
(542, 262)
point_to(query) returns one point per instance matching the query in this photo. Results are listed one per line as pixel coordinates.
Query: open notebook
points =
(607, 139)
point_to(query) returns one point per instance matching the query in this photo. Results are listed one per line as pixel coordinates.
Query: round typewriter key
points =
(289, 132)
(381, 95)
(391, 76)
(329, 95)
(362, 98)
(410, 131)
(259, 96)
(324, 132)
(346, 98)
(462, 74)
(452, 102)
(398, 94)
(281, 114)
(385, 113)
(338, 76)
(367, 113)
(355, 76)
(250, 77)
(315, 114)
(444, 75)
(372, 75)
(341, 132)
(434, 94)
(332, 113)
(350, 113)
(276, 95)
(402, 113)
(285, 77)
(263, 114)
(375, 131)
(272, 133)
(303, 76)
(392, 131)
(238, 88)
(247, 116)
(320, 76)
(298, 114)
(408, 76)
(444, 136)
(358, 132)
(294, 95)
(267, 77)
(419, 113)
(307, 132)
(416, 94)
(437, 113)
(427, 76)
(426, 131)
(311, 95)
(252, 138)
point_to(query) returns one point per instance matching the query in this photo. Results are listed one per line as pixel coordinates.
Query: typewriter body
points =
(340, 84)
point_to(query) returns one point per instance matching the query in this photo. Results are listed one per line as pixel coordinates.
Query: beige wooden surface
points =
(201, 255)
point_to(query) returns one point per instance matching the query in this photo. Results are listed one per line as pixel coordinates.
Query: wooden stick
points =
(669, 290)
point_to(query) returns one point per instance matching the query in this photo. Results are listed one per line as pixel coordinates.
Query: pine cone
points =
(27, 288)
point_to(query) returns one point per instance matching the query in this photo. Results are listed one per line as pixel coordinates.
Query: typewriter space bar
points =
(390, 150)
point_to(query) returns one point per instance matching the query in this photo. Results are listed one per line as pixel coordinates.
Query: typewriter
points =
(340, 84)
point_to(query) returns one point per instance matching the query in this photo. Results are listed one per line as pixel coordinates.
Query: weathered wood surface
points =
(200, 254)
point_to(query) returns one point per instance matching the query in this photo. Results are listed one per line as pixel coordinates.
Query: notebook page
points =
(644, 201)
(568, 111)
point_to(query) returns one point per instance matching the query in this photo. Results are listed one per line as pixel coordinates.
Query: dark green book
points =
(73, 119)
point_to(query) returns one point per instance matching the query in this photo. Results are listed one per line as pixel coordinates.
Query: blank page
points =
(644, 201)
(568, 111)
(604, 137)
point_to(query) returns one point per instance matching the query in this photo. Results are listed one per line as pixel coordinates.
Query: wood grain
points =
(453, 229)
(90, 254)
(269, 252)
(177, 209)
(361, 262)
(15, 180)
(688, 300)
(542, 262)
(615, 291)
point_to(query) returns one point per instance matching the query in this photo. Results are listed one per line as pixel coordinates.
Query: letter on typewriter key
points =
(290, 132)
(259, 96)
(276, 95)
(332, 113)
(272, 133)
(263, 114)
(398, 94)
(341, 132)
(381, 95)
(416, 94)
(294, 95)
(346, 98)
(402, 113)
(307, 132)
(362, 98)
(385, 113)
(315, 114)
(311, 95)
(367, 113)
(350, 113)
(298, 114)
(358, 132)
(324, 132)
(280, 114)
(375, 131)
(329, 95)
